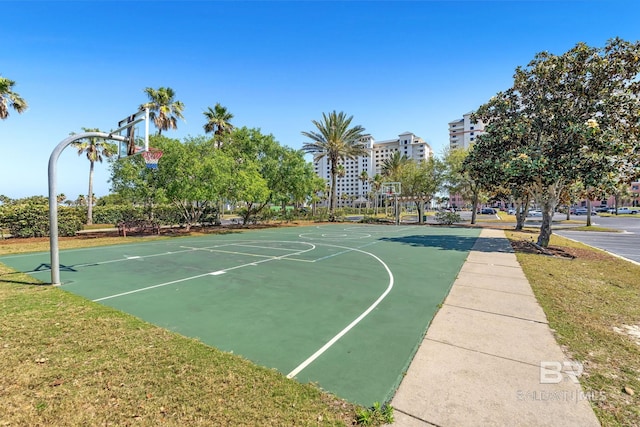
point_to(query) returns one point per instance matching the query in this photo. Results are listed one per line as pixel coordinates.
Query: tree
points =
(197, 178)
(95, 149)
(164, 110)
(364, 178)
(392, 166)
(376, 185)
(567, 117)
(420, 181)
(132, 181)
(335, 140)
(218, 122)
(287, 176)
(10, 99)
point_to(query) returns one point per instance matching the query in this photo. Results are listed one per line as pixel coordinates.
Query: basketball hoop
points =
(151, 158)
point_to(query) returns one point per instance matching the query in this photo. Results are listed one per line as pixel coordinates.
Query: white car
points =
(624, 211)
(534, 213)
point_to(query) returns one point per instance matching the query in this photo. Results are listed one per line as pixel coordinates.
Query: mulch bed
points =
(528, 247)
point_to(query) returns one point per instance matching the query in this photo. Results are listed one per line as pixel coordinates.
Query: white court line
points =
(217, 273)
(150, 287)
(126, 258)
(345, 252)
(268, 247)
(351, 325)
(236, 253)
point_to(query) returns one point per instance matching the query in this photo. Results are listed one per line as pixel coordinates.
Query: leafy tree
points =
(420, 181)
(567, 117)
(164, 110)
(95, 149)
(133, 182)
(337, 141)
(218, 122)
(196, 178)
(465, 175)
(287, 176)
(10, 99)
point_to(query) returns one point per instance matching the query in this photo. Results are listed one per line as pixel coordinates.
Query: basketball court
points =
(344, 306)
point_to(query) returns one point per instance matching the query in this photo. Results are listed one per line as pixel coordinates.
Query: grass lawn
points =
(65, 360)
(592, 301)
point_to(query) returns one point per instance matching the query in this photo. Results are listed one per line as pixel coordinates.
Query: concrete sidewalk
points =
(479, 363)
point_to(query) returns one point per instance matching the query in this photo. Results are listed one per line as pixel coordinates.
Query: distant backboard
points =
(136, 129)
(390, 189)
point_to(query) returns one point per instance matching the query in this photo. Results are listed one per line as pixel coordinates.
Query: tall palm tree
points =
(364, 177)
(218, 122)
(95, 149)
(163, 109)
(8, 98)
(336, 141)
(391, 167)
(376, 185)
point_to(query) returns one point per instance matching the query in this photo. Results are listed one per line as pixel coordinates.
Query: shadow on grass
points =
(454, 243)
(8, 277)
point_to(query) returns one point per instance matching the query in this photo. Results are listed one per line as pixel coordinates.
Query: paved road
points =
(625, 244)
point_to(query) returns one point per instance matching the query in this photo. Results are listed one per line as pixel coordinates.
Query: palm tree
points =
(96, 150)
(376, 185)
(8, 98)
(163, 109)
(392, 166)
(336, 141)
(218, 122)
(364, 177)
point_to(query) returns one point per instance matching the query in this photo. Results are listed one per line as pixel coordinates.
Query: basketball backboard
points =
(136, 129)
(391, 189)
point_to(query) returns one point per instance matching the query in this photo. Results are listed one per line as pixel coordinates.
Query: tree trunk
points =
(545, 229)
(474, 206)
(90, 196)
(333, 198)
(521, 215)
(588, 213)
(419, 209)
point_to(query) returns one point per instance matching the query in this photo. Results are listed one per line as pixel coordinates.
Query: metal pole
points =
(53, 202)
(397, 210)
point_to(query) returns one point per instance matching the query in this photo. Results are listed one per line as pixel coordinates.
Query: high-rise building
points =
(354, 188)
(463, 132)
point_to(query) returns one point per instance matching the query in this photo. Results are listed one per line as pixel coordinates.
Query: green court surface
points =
(344, 306)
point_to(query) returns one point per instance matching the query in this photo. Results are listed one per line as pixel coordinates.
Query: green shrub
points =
(447, 218)
(32, 220)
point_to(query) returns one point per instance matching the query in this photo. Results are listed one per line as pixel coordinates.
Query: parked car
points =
(602, 209)
(511, 211)
(488, 211)
(534, 212)
(625, 210)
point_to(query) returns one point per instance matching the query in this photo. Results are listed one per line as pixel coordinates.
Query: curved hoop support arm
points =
(53, 202)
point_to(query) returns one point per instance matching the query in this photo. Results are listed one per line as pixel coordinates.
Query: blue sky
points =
(395, 66)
